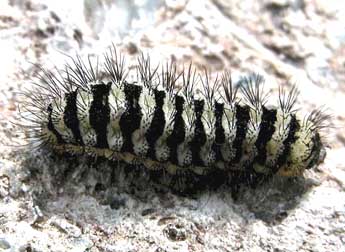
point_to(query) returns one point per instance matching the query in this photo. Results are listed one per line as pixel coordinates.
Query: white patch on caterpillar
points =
(229, 125)
(184, 153)
(147, 104)
(207, 155)
(161, 147)
(117, 108)
(88, 134)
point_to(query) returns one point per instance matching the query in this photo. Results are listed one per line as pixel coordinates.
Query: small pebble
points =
(4, 244)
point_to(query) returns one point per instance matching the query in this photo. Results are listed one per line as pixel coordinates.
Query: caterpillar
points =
(157, 119)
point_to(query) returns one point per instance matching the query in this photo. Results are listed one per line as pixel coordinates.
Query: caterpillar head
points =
(304, 154)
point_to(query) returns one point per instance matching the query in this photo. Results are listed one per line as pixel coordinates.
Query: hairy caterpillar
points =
(152, 122)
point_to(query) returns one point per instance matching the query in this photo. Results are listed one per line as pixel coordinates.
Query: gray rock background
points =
(53, 204)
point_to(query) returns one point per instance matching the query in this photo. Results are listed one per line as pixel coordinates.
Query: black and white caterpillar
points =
(159, 121)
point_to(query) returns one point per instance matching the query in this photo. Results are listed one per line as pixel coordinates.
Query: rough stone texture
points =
(53, 204)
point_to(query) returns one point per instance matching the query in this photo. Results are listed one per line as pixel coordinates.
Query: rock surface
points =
(48, 204)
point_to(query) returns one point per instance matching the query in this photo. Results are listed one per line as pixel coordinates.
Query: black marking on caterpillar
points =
(51, 127)
(157, 125)
(178, 134)
(151, 122)
(130, 120)
(71, 118)
(242, 119)
(269, 116)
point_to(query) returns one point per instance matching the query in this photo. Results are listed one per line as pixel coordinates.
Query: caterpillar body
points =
(152, 122)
